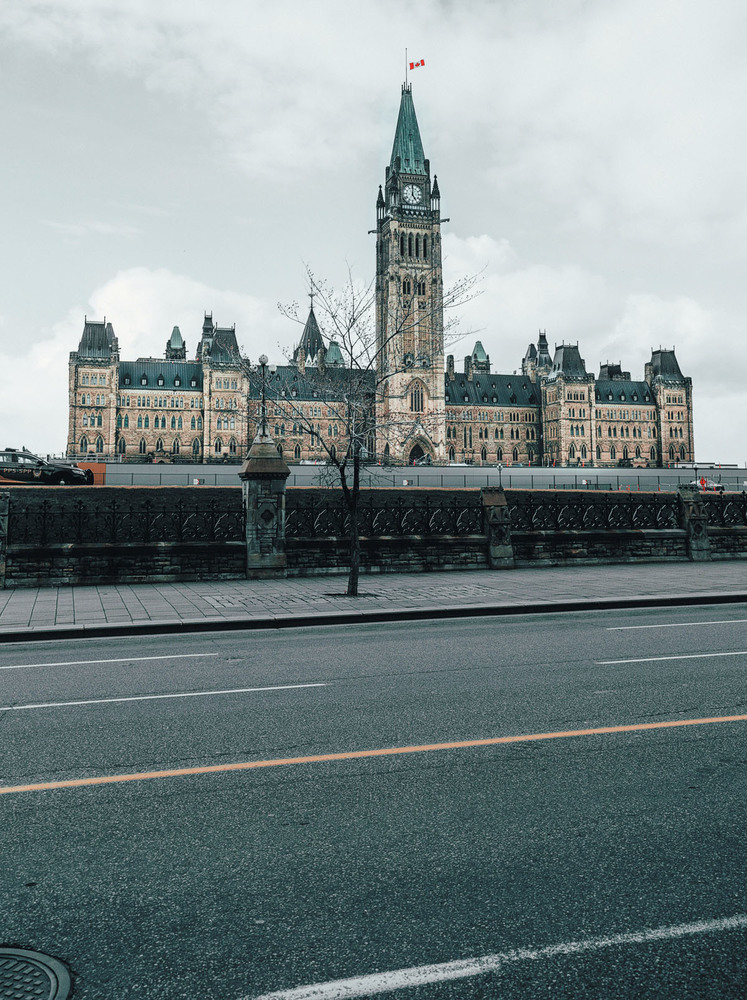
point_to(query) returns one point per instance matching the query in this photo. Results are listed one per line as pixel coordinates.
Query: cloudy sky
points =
(161, 158)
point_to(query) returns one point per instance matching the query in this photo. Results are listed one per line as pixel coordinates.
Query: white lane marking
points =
(384, 982)
(679, 656)
(155, 697)
(120, 659)
(629, 628)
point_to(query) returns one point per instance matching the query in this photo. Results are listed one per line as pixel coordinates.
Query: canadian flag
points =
(420, 62)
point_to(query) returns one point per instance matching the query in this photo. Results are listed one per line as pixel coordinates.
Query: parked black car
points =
(20, 466)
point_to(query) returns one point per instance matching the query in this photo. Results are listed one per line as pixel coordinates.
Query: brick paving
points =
(25, 611)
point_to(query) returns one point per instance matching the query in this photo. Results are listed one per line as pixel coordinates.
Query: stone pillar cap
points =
(264, 461)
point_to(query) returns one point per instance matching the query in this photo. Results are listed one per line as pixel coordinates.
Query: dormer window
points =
(635, 397)
(160, 380)
(466, 399)
(177, 381)
(609, 396)
(143, 380)
(193, 382)
(127, 380)
(622, 396)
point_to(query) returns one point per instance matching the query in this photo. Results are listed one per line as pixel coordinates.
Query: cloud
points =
(83, 229)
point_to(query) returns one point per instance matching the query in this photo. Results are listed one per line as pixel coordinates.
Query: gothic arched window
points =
(416, 399)
(425, 248)
(141, 446)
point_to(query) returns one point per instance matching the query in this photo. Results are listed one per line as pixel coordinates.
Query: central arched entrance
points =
(418, 456)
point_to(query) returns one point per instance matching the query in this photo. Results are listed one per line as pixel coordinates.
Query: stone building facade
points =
(419, 407)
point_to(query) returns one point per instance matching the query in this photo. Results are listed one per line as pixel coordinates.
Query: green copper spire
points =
(407, 144)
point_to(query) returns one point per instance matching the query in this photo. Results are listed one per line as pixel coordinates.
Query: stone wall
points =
(52, 536)
(59, 536)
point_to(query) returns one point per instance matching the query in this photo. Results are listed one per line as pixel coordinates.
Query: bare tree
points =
(351, 377)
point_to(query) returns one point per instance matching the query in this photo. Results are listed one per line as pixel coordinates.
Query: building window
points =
(416, 399)
(141, 447)
(121, 446)
(218, 446)
(297, 452)
(196, 448)
(143, 380)
(515, 455)
(84, 445)
(175, 447)
(99, 444)
(126, 420)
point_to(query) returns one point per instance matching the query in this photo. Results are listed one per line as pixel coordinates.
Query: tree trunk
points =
(352, 495)
(355, 554)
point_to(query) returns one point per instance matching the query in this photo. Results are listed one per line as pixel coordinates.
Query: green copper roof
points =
(478, 353)
(407, 144)
(334, 354)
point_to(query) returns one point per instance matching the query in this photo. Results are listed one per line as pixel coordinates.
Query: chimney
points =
(450, 367)
(468, 367)
(301, 359)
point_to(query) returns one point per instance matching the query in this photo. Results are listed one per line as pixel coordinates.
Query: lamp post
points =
(500, 475)
(263, 410)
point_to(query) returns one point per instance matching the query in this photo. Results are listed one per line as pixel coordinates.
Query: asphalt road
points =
(579, 866)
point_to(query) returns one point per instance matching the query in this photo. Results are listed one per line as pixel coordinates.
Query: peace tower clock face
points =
(412, 194)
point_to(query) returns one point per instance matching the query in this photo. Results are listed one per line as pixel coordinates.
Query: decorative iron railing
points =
(124, 517)
(385, 516)
(725, 510)
(550, 511)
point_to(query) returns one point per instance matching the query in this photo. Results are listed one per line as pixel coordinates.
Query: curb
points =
(373, 616)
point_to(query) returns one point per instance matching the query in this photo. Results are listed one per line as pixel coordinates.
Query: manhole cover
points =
(27, 974)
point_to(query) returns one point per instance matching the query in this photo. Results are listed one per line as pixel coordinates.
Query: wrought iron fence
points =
(390, 516)
(124, 517)
(725, 510)
(549, 511)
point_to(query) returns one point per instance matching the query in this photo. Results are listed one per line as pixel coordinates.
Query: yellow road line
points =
(111, 779)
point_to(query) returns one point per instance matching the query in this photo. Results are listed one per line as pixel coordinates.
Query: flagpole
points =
(405, 67)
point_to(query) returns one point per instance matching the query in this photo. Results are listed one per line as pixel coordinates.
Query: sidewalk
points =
(63, 612)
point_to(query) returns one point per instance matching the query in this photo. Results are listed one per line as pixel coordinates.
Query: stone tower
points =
(409, 301)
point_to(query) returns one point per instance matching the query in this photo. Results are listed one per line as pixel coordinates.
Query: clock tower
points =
(409, 301)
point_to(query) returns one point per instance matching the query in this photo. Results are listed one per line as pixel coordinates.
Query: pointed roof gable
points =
(407, 143)
(665, 365)
(311, 338)
(98, 340)
(568, 360)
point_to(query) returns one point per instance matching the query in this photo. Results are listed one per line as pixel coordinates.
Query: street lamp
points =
(263, 411)
(500, 475)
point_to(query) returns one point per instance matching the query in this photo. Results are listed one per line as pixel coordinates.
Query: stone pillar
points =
(263, 475)
(497, 527)
(694, 520)
(4, 511)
